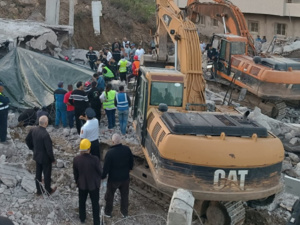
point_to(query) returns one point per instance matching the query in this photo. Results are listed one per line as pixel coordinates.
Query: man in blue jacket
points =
(60, 106)
(122, 102)
(4, 101)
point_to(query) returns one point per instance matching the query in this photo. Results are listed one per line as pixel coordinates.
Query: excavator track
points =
(218, 213)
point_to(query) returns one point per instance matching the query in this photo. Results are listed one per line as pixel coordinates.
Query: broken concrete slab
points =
(181, 208)
(28, 184)
(9, 174)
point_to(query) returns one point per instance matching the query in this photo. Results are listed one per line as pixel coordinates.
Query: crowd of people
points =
(83, 106)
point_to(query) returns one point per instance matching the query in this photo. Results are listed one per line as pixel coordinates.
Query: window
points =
(280, 29)
(253, 26)
(289, 1)
(202, 20)
(214, 22)
(168, 93)
(238, 48)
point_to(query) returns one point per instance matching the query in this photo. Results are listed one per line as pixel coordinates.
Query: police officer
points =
(4, 101)
(92, 57)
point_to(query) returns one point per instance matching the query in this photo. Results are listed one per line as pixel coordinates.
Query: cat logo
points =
(235, 177)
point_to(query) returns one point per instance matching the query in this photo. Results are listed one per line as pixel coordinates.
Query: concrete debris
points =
(294, 140)
(295, 158)
(59, 163)
(28, 184)
(181, 208)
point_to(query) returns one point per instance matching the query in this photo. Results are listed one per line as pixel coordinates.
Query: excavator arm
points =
(183, 33)
(225, 12)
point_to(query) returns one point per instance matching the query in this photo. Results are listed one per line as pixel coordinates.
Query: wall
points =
(267, 25)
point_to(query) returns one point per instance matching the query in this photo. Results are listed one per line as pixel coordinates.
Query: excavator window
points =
(238, 48)
(166, 92)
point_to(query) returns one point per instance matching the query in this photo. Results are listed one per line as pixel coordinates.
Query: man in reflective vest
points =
(123, 63)
(122, 101)
(4, 101)
(108, 97)
(107, 73)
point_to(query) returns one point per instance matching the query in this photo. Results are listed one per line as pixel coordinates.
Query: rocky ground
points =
(20, 204)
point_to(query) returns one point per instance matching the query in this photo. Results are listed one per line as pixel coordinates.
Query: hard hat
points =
(135, 57)
(85, 144)
(87, 83)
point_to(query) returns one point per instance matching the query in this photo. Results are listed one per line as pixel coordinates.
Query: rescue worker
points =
(117, 165)
(92, 57)
(4, 101)
(94, 100)
(90, 131)
(135, 69)
(39, 141)
(107, 73)
(79, 99)
(87, 175)
(100, 82)
(122, 101)
(60, 106)
(212, 54)
(123, 63)
(107, 98)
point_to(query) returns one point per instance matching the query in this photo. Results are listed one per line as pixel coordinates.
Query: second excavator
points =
(275, 81)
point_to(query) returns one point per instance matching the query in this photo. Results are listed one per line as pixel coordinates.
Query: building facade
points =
(280, 18)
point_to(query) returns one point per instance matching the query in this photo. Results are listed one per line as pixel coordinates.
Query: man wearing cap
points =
(87, 87)
(87, 175)
(4, 101)
(79, 99)
(39, 141)
(60, 106)
(117, 164)
(70, 108)
(92, 57)
(90, 131)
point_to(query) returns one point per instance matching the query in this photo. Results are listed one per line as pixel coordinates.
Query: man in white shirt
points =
(139, 52)
(108, 55)
(125, 42)
(90, 131)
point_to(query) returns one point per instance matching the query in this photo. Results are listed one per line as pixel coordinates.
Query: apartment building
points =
(264, 17)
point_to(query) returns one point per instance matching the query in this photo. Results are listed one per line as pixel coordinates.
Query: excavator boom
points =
(184, 35)
(233, 17)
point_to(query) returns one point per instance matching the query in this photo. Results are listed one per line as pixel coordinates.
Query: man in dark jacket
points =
(60, 106)
(117, 164)
(92, 57)
(212, 54)
(38, 140)
(4, 101)
(94, 100)
(79, 99)
(87, 175)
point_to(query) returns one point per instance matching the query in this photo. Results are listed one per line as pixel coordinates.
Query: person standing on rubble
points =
(107, 73)
(70, 108)
(117, 165)
(123, 64)
(122, 101)
(4, 101)
(87, 175)
(60, 106)
(90, 131)
(92, 57)
(94, 100)
(80, 101)
(39, 141)
(108, 100)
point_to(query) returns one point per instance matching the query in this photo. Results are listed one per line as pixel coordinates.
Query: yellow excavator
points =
(222, 158)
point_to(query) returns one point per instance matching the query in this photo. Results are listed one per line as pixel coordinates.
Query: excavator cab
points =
(227, 46)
